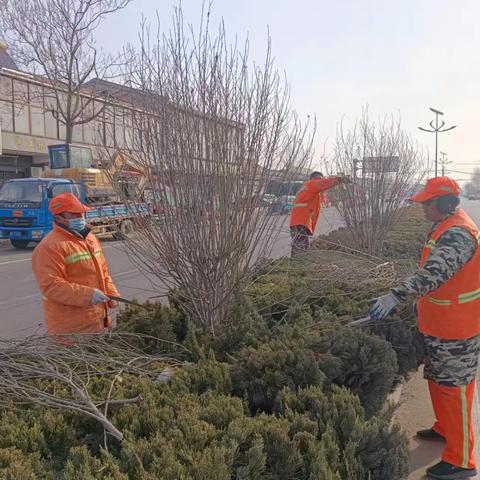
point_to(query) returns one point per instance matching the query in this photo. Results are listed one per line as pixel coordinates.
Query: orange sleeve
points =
(49, 269)
(321, 184)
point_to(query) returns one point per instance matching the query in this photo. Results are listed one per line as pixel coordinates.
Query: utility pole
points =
(436, 128)
(444, 162)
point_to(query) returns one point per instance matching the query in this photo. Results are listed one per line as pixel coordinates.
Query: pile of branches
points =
(56, 374)
(320, 273)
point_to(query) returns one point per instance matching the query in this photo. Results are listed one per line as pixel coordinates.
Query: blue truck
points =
(25, 219)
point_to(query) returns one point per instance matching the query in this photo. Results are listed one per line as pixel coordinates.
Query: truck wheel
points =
(20, 244)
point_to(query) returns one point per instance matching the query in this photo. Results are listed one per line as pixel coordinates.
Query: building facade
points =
(28, 124)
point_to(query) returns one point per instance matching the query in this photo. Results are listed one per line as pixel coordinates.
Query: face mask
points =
(77, 224)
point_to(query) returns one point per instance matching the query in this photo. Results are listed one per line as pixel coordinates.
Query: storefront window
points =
(5, 88)
(22, 124)
(6, 116)
(38, 121)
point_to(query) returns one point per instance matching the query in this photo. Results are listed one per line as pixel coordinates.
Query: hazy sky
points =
(394, 55)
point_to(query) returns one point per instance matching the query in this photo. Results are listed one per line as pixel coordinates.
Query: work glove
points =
(383, 306)
(99, 297)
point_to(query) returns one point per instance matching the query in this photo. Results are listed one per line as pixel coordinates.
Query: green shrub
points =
(259, 374)
(193, 428)
(402, 333)
(353, 447)
(82, 465)
(244, 327)
(279, 296)
(162, 326)
(368, 364)
(18, 465)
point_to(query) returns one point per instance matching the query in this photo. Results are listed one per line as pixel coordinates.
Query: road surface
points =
(20, 301)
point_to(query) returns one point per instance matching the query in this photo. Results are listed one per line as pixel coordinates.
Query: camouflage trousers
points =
(451, 362)
(300, 239)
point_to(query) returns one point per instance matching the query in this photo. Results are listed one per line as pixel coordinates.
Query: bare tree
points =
(386, 166)
(211, 133)
(55, 39)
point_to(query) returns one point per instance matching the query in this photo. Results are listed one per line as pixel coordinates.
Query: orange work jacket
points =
(67, 269)
(453, 310)
(307, 202)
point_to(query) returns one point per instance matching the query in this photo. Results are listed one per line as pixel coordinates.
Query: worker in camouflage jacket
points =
(447, 290)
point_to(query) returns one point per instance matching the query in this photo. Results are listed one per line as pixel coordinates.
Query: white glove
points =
(99, 297)
(383, 306)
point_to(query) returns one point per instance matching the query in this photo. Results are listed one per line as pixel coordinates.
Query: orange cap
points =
(437, 187)
(66, 202)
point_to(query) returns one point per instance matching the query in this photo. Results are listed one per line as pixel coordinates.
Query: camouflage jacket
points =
(451, 252)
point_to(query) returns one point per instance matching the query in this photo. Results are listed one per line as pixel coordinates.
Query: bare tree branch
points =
(32, 369)
(211, 133)
(386, 166)
(54, 39)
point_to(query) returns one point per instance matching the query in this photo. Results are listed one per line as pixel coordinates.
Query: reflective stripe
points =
(463, 393)
(469, 296)
(300, 205)
(79, 256)
(438, 301)
(462, 298)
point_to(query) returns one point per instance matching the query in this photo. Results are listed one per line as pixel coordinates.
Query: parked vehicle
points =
(24, 215)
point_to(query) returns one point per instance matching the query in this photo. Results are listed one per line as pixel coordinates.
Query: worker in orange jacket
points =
(72, 273)
(306, 210)
(447, 289)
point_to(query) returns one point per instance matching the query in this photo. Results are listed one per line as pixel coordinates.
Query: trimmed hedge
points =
(286, 391)
(194, 429)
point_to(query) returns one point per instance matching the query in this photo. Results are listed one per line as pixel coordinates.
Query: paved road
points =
(20, 302)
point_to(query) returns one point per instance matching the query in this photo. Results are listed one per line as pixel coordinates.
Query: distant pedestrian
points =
(72, 272)
(306, 210)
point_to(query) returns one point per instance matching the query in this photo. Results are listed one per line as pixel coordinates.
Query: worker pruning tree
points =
(212, 132)
(55, 40)
(386, 166)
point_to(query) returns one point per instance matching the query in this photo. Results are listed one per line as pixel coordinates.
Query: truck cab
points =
(24, 215)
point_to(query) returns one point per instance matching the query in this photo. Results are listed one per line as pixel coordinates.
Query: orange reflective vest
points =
(67, 269)
(453, 310)
(307, 202)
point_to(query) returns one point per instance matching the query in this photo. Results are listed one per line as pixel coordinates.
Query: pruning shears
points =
(360, 322)
(128, 302)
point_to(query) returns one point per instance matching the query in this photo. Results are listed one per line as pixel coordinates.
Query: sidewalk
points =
(415, 413)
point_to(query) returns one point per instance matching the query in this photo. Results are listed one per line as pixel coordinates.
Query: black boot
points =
(446, 471)
(430, 434)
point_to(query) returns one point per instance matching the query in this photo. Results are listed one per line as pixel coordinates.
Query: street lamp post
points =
(437, 128)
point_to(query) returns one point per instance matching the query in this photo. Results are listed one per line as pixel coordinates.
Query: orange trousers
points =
(453, 411)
